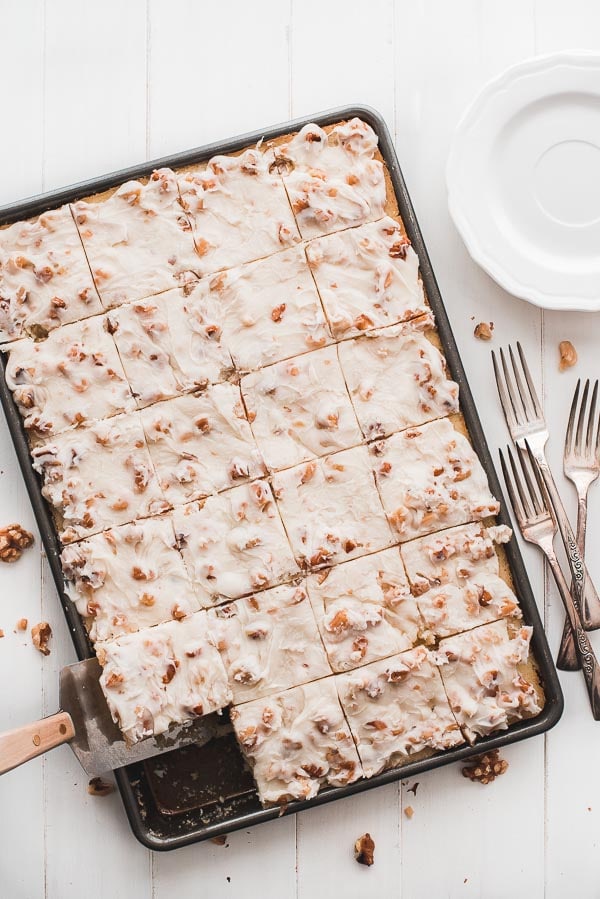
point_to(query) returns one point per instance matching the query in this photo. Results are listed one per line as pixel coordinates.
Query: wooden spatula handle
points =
(27, 742)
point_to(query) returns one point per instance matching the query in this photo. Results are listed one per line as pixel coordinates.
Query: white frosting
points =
(270, 310)
(332, 179)
(171, 343)
(72, 377)
(162, 675)
(45, 280)
(269, 642)
(138, 241)
(367, 277)
(234, 543)
(430, 478)
(484, 686)
(238, 209)
(128, 578)
(201, 443)
(297, 742)
(455, 576)
(396, 708)
(397, 378)
(300, 409)
(99, 476)
(330, 508)
(364, 609)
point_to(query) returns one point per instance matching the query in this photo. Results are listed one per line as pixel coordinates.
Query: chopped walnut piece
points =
(22, 624)
(365, 850)
(484, 330)
(409, 811)
(567, 354)
(486, 768)
(40, 634)
(1, 633)
(99, 787)
(13, 540)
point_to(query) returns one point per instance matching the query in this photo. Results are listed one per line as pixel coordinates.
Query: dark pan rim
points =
(127, 778)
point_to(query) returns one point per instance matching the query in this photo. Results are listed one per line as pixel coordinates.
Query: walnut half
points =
(486, 768)
(13, 540)
(365, 850)
(40, 634)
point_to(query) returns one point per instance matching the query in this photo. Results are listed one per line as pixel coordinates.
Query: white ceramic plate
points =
(524, 180)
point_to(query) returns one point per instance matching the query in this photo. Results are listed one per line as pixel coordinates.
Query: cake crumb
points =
(365, 850)
(99, 787)
(22, 624)
(13, 540)
(486, 768)
(483, 330)
(409, 811)
(220, 840)
(40, 634)
(567, 355)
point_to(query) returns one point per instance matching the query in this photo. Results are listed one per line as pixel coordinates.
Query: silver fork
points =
(526, 422)
(538, 526)
(581, 464)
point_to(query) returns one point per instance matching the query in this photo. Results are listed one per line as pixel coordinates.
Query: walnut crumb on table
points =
(40, 634)
(567, 355)
(409, 811)
(22, 624)
(486, 768)
(13, 540)
(364, 849)
(484, 330)
(99, 787)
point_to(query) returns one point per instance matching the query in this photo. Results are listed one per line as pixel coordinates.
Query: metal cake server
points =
(85, 723)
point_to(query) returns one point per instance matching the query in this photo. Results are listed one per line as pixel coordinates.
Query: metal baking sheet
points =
(196, 793)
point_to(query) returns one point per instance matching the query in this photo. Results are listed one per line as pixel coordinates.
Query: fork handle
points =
(584, 592)
(587, 658)
(567, 659)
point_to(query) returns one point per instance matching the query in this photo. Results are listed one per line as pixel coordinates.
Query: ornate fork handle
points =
(567, 659)
(585, 596)
(583, 647)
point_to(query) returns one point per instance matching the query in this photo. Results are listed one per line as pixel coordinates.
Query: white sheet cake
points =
(45, 280)
(331, 510)
(128, 578)
(72, 377)
(270, 310)
(162, 675)
(300, 409)
(364, 609)
(297, 742)
(98, 477)
(246, 431)
(238, 209)
(171, 343)
(430, 478)
(234, 543)
(367, 277)
(201, 443)
(332, 178)
(397, 708)
(138, 240)
(455, 575)
(397, 378)
(485, 687)
(269, 642)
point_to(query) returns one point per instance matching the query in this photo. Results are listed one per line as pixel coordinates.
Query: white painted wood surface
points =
(91, 87)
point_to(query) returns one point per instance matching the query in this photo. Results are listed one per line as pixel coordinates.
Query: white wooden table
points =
(91, 87)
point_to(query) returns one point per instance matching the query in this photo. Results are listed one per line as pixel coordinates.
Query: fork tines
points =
(526, 490)
(516, 389)
(574, 442)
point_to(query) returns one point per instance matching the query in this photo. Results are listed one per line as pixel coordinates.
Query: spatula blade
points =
(98, 743)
